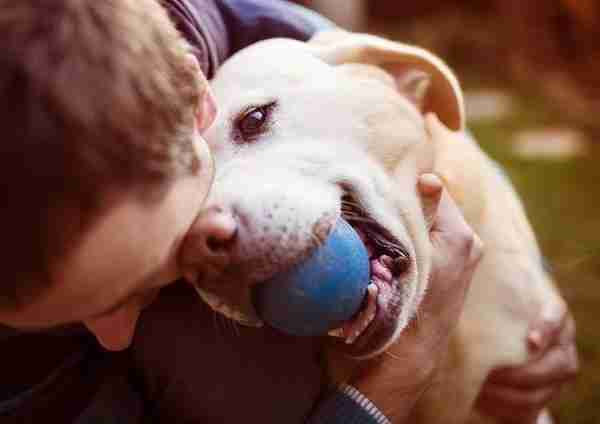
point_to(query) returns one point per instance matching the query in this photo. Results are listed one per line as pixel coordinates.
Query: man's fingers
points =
(456, 252)
(558, 366)
(514, 405)
(449, 219)
(451, 234)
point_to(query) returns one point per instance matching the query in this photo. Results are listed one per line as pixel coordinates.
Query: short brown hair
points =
(95, 95)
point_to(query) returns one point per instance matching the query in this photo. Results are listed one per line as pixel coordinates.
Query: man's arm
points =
(255, 20)
(218, 28)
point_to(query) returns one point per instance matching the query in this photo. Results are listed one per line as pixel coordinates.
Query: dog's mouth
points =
(375, 324)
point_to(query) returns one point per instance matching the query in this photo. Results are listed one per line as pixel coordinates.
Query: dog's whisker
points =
(391, 355)
(236, 328)
(223, 324)
(215, 322)
(417, 319)
(231, 326)
(574, 263)
(218, 323)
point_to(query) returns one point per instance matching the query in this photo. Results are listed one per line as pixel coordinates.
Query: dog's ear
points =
(421, 76)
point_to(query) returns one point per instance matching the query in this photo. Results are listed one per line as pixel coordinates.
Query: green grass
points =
(563, 203)
(562, 199)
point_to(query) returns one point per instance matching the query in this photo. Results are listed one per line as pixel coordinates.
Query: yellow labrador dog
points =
(342, 126)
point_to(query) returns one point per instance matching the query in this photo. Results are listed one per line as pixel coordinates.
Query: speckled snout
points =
(256, 225)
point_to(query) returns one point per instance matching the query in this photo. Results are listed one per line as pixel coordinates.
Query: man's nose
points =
(211, 240)
(115, 331)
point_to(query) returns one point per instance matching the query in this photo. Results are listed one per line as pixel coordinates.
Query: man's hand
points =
(396, 380)
(518, 395)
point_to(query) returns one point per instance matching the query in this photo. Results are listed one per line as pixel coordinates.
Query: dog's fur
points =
(347, 116)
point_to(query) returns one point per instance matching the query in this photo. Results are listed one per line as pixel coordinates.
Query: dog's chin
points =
(241, 312)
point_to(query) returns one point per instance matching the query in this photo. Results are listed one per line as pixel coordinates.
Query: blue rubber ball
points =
(322, 292)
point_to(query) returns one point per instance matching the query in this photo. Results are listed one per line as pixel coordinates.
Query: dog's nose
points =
(211, 239)
(218, 230)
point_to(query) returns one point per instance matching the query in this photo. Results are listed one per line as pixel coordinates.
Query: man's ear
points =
(420, 76)
(207, 106)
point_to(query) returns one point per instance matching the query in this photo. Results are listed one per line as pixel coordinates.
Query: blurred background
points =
(531, 73)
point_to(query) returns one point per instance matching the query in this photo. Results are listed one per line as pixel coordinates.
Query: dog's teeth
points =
(353, 337)
(191, 277)
(338, 332)
(352, 330)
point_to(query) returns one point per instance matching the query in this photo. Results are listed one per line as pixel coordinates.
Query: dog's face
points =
(301, 140)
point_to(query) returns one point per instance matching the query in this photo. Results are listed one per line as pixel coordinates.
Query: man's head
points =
(103, 165)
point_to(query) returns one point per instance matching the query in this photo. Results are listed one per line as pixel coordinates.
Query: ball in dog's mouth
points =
(376, 322)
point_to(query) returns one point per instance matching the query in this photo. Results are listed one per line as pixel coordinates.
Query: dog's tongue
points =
(381, 270)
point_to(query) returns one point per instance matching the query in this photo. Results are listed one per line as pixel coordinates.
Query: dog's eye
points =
(254, 122)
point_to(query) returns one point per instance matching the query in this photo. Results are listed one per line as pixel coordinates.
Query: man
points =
(103, 110)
